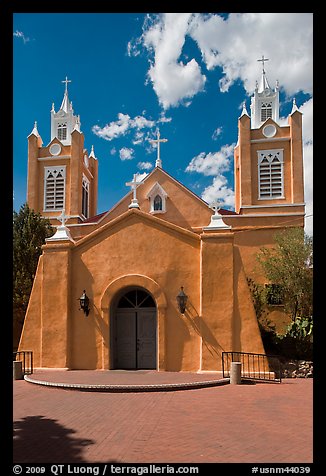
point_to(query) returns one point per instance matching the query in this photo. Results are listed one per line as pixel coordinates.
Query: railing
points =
(253, 366)
(26, 356)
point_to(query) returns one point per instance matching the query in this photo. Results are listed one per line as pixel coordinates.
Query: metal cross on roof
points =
(134, 185)
(66, 81)
(158, 141)
(263, 59)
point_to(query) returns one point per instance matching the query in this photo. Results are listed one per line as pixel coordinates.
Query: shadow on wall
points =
(43, 440)
(201, 328)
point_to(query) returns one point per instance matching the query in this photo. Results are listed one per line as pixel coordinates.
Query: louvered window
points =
(265, 111)
(54, 188)
(270, 174)
(62, 131)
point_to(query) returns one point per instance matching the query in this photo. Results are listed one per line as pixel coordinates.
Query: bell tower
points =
(63, 175)
(268, 158)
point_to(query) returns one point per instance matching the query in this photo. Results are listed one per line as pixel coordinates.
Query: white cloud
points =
(138, 138)
(120, 127)
(140, 177)
(20, 34)
(114, 129)
(144, 165)
(215, 163)
(172, 80)
(163, 118)
(233, 44)
(126, 154)
(212, 163)
(236, 43)
(113, 151)
(220, 192)
(217, 133)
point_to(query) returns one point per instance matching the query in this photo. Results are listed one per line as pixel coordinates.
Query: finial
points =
(35, 131)
(92, 154)
(244, 110)
(216, 219)
(157, 141)
(66, 81)
(294, 106)
(52, 109)
(215, 206)
(263, 59)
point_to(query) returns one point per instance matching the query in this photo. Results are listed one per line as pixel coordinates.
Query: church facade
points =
(159, 242)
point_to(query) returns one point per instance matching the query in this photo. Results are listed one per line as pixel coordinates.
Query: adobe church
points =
(107, 290)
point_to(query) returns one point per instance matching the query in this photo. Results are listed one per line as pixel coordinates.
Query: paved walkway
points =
(249, 423)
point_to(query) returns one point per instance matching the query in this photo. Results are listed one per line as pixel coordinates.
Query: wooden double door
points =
(135, 331)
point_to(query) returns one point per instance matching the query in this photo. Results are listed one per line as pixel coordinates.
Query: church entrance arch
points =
(134, 330)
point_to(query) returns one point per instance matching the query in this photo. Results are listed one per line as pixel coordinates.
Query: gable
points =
(183, 207)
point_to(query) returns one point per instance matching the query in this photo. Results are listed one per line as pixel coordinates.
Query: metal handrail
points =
(265, 367)
(26, 356)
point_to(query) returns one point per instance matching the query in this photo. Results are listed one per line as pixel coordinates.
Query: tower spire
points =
(264, 85)
(66, 105)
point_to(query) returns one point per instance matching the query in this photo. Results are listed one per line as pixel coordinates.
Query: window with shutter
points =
(270, 174)
(54, 188)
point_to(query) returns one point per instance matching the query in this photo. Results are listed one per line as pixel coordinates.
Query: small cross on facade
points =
(66, 81)
(134, 185)
(215, 206)
(63, 218)
(263, 59)
(157, 141)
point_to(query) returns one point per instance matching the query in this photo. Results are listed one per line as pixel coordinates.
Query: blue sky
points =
(187, 74)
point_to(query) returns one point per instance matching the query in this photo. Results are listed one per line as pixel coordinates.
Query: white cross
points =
(63, 218)
(263, 59)
(134, 185)
(66, 81)
(215, 206)
(158, 141)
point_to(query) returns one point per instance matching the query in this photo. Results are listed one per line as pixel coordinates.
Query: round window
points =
(269, 130)
(55, 149)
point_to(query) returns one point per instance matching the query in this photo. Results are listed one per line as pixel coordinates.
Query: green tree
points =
(30, 230)
(289, 265)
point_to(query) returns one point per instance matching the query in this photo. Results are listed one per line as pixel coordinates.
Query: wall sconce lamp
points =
(84, 303)
(182, 301)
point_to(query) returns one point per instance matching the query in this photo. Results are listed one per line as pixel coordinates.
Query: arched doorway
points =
(134, 329)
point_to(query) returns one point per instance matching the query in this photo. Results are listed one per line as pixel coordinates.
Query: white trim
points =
(251, 215)
(272, 139)
(277, 205)
(157, 190)
(272, 198)
(52, 158)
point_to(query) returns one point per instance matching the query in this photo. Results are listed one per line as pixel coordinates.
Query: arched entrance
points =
(134, 330)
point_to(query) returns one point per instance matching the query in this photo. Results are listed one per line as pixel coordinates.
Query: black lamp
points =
(182, 300)
(84, 303)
